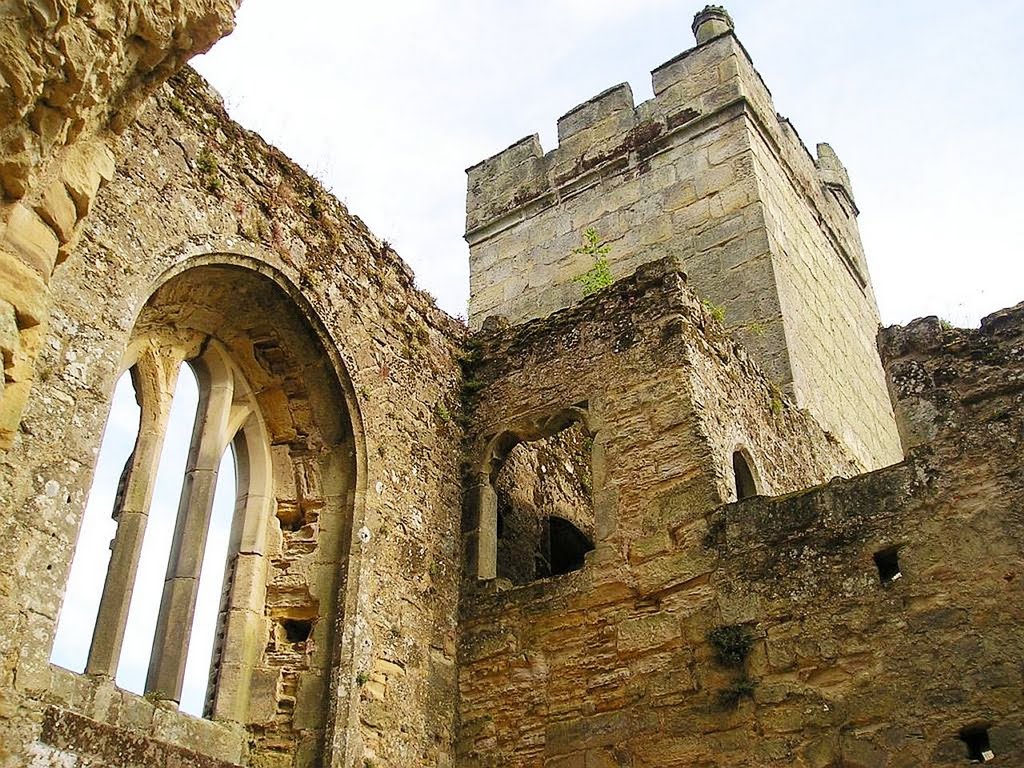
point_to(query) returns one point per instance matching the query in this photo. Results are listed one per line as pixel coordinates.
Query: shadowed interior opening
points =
(545, 508)
(745, 486)
(979, 746)
(888, 563)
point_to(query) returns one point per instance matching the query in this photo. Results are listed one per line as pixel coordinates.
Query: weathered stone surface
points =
(88, 743)
(58, 210)
(30, 239)
(708, 173)
(83, 169)
(72, 70)
(843, 667)
(668, 397)
(10, 344)
(72, 73)
(370, 617)
(297, 291)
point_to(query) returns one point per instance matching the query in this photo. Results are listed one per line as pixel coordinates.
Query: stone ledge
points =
(82, 736)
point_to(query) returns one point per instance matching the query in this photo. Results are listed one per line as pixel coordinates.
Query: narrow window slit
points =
(745, 485)
(979, 748)
(888, 563)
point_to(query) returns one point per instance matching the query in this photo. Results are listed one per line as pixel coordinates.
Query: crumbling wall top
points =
(944, 379)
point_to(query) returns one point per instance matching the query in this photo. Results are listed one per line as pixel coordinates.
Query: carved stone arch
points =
(528, 429)
(221, 252)
(482, 533)
(288, 408)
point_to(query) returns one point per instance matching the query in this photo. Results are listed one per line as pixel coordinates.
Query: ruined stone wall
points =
(73, 72)
(706, 172)
(195, 194)
(548, 477)
(764, 633)
(646, 362)
(667, 404)
(945, 379)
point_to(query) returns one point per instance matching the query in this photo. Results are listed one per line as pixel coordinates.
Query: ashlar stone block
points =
(29, 238)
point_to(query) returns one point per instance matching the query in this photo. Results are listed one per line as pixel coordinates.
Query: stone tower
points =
(707, 172)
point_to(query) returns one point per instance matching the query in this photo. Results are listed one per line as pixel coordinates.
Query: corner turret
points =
(713, 21)
(834, 176)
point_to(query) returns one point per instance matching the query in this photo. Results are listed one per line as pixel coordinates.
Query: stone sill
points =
(97, 704)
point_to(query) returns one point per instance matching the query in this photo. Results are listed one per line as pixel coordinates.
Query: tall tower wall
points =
(707, 172)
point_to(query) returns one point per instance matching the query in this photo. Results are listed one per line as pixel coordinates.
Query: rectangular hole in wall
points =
(888, 563)
(297, 630)
(979, 748)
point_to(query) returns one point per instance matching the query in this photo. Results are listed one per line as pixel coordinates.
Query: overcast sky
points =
(388, 102)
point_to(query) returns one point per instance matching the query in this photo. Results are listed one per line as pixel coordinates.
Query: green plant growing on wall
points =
(209, 171)
(598, 276)
(732, 644)
(442, 413)
(716, 311)
(776, 399)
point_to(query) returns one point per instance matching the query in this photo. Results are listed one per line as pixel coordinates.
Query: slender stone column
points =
(242, 623)
(154, 376)
(484, 554)
(177, 606)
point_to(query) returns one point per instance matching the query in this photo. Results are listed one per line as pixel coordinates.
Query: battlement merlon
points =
(691, 91)
(834, 175)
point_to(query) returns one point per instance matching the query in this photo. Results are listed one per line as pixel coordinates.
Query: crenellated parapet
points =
(706, 171)
(610, 133)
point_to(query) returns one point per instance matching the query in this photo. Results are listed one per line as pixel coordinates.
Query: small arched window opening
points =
(744, 478)
(538, 503)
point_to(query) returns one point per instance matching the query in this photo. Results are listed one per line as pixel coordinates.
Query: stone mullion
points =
(241, 624)
(155, 376)
(483, 540)
(181, 584)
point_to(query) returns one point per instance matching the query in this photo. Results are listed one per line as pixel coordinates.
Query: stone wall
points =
(706, 172)
(196, 196)
(667, 405)
(771, 632)
(944, 379)
(73, 72)
(668, 396)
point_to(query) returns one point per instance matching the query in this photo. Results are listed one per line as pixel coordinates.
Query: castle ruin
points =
(700, 511)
